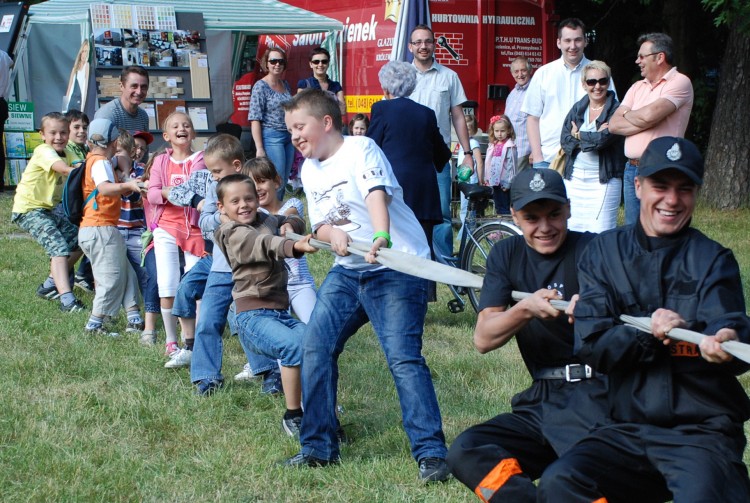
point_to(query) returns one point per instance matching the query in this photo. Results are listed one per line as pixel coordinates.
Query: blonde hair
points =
(504, 120)
(126, 142)
(596, 65)
(471, 124)
(175, 114)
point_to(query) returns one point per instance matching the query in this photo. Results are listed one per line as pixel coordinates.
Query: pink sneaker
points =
(170, 348)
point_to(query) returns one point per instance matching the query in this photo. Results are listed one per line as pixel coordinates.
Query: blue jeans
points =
(442, 234)
(208, 350)
(632, 203)
(540, 165)
(147, 285)
(279, 149)
(191, 288)
(395, 304)
(151, 293)
(273, 333)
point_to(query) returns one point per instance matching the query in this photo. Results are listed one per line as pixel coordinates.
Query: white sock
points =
(170, 325)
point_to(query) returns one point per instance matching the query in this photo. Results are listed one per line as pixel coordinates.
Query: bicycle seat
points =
(474, 191)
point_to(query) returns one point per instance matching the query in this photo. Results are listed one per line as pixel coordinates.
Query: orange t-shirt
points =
(101, 210)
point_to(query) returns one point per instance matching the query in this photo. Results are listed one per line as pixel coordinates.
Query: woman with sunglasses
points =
(594, 160)
(266, 116)
(320, 59)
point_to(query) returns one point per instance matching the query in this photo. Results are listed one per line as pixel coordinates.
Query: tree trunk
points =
(727, 177)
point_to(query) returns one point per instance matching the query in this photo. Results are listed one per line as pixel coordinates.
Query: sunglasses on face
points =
(602, 82)
(277, 62)
(319, 62)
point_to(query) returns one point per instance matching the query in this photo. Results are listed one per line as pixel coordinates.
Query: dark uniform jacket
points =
(625, 272)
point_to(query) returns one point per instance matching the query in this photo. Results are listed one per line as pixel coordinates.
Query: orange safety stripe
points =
(600, 500)
(494, 480)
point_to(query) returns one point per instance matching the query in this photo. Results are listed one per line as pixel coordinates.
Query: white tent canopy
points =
(57, 28)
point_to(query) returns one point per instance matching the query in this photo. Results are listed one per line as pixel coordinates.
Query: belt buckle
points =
(586, 370)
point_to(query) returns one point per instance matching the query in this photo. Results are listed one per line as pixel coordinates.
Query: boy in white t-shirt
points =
(353, 194)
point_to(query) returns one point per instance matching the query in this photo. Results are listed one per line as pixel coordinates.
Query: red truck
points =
(476, 38)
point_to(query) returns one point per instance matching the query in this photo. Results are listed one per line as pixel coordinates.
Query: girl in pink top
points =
(500, 161)
(174, 228)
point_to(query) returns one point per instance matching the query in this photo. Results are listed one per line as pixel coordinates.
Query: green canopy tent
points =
(58, 27)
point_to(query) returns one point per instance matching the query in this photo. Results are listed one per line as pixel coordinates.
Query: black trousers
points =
(644, 463)
(3, 118)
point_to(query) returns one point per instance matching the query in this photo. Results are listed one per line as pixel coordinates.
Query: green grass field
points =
(93, 419)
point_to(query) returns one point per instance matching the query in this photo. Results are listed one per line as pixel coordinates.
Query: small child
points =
(301, 284)
(500, 161)
(476, 153)
(132, 223)
(37, 195)
(353, 194)
(116, 282)
(224, 156)
(358, 125)
(175, 228)
(77, 148)
(251, 243)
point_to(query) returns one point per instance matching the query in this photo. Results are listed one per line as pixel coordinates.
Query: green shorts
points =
(54, 232)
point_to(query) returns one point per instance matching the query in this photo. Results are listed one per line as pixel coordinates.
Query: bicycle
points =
(476, 243)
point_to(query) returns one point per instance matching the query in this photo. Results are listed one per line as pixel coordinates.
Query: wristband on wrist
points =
(384, 235)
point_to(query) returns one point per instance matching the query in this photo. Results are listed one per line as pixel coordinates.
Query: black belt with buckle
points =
(572, 373)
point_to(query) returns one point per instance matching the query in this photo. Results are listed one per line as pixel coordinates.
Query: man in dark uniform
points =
(677, 409)
(499, 459)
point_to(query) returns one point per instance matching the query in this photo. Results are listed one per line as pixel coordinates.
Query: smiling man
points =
(521, 70)
(676, 408)
(500, 459)
(658, 105)
(125, 112)
(555, 88)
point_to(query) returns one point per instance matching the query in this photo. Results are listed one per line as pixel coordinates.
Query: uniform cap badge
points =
(537, 183)
(674, 153)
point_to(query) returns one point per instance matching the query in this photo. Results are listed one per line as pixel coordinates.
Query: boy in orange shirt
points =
(99, 238)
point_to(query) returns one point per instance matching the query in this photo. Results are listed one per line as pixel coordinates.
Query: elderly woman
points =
(409, 136)
(320, 59)
(595, 160)
(266, 116)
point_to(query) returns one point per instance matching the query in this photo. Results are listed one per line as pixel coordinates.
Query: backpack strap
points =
(92, 196)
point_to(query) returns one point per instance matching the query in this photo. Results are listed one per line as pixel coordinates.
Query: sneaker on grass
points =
(300, 460)
(148, 338)
(74, 307)
(206, 387)
(292, 426)
(49, 293)
(101, 330)
(133, 328)
(170, 348)
(433, 470)
(272, 383)
(245, 375)
(84, 284)
(178, 359)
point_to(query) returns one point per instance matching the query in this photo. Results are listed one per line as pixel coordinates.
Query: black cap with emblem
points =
(669, 152)
(533, 184)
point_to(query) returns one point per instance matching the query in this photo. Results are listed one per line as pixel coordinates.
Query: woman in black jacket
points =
(595, 158)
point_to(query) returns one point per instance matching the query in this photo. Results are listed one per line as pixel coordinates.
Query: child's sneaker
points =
(49, 293)
(245, 375)
(170, 348)
(74, 307)
(292, 426)
(180, 358)
(133, 328)
(101, 330)
(84, 284)
(148, 338)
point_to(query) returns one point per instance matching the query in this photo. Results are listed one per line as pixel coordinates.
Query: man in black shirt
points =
(499, 459)
(676, 408)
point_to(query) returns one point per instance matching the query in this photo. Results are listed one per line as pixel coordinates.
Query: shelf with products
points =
(184, 87)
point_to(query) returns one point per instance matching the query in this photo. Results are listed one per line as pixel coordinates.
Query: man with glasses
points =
(439, 89)
(521, 70)
(659, 105)
(555, 88)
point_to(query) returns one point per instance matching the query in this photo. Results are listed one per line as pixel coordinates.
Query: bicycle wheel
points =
(478, 248)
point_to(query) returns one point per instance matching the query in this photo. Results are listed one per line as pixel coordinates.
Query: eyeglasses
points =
(427, 42)
(319, 62)
(602, 82)
(277, 62)
(644, 56)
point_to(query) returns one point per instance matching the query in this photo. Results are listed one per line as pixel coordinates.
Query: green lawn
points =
(93, 419)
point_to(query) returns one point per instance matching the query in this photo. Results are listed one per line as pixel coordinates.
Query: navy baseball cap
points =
(669, 152)
(533, 184)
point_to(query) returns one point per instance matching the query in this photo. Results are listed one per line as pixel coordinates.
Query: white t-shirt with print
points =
(336, 190)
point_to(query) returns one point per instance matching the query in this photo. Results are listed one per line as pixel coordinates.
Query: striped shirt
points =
(132, 215)
(121, 118)
(518, 118)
